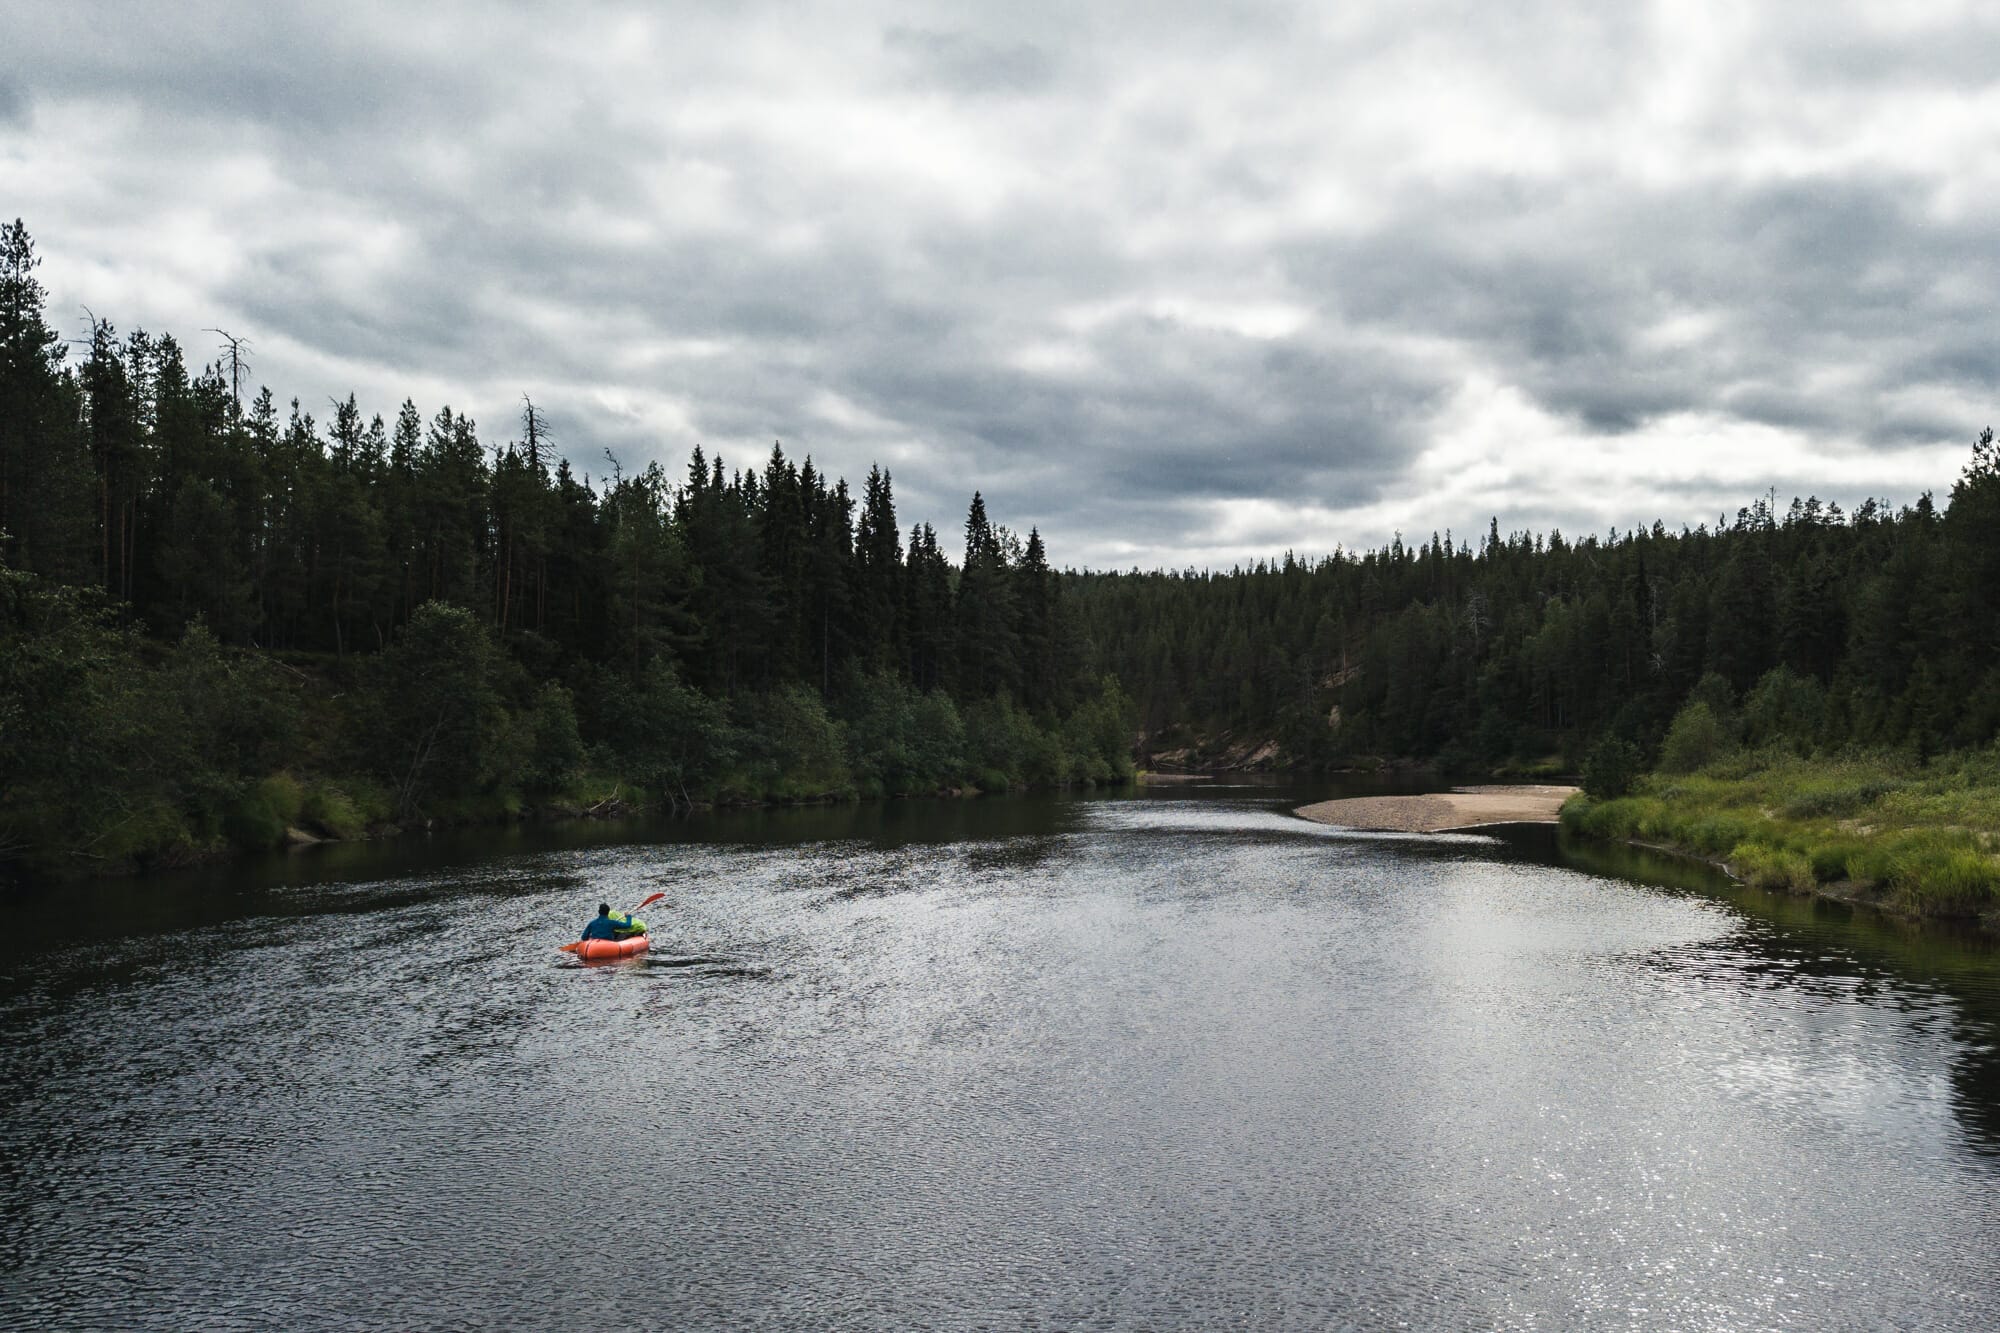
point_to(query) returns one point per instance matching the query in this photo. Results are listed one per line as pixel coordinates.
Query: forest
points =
(224, 619)
(1809, 627)
(220, 620)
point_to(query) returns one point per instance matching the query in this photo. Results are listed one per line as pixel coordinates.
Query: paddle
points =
(646, 902)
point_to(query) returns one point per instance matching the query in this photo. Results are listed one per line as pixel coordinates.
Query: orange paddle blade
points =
(571, 948)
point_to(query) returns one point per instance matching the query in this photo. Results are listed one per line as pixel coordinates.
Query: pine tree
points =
(45, 485)
(452, 510)
(401, 549)
(878, 574)
(927, 610)
(983, 612)
(117, 453)
(1036, 627)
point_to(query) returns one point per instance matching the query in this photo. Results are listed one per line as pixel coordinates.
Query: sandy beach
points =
(1440, 812)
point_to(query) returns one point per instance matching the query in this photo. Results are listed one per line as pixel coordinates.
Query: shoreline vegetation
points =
(1884, 830)
(293, 814)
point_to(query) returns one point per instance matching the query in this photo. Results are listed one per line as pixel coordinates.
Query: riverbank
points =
(1442, 812)
(327, 815)
(1920, 841)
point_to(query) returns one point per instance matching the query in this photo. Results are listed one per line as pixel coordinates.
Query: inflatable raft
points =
(592, 951)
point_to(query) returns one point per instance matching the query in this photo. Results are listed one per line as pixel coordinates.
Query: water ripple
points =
(1161, 1064)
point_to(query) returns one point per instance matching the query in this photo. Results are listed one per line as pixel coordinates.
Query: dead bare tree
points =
(238, 363)
(535, 427)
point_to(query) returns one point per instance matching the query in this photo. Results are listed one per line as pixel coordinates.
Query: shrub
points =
(329, 809)
(798, 752)
(1099, 734)
(999, 741)
(260, 816)
(554, 749)
(373, 803)
(434, 708)
(1715, 691)
(1695, 740)
(904, 741)
(282, 795)
(1718, 833)
(1611, 769)
(150, 831)
(1623, 818)
(662, 733)
(1575, 813)
(253, 826)
(1784, 708)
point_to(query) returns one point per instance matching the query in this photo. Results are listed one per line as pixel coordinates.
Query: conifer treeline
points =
(129, 473)
(1810, 627)
(412, 619)
(744, 634)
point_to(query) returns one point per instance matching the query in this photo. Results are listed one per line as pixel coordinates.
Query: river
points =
(1166, 1059)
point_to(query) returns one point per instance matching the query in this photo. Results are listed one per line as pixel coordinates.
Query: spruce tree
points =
(44, 482)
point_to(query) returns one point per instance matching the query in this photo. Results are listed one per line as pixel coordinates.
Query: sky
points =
(1178, 284)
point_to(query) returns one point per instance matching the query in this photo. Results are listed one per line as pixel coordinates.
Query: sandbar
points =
(1441, 812)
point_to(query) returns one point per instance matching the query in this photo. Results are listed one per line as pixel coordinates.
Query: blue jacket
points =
(617, 926)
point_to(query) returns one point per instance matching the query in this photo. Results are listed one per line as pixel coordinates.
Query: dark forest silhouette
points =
(221, 619)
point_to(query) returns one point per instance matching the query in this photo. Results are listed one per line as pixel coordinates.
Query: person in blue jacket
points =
(610, 925)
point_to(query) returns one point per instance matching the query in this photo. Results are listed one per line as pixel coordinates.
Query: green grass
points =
(1772, 867)
(259, 818)
(347, 810)
(1923, 838)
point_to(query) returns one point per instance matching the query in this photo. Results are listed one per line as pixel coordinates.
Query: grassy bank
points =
(1920, 839)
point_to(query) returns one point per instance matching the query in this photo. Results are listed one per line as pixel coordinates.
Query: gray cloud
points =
(965, 63)
(1170, 282)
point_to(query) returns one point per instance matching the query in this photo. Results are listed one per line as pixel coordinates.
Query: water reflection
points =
(1840, 963)
(1170, 1059)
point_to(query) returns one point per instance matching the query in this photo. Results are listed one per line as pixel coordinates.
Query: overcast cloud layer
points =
(1176, 283)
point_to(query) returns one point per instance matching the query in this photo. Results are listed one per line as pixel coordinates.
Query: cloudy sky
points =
(1178, 283)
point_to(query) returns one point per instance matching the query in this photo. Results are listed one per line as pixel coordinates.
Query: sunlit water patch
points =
(1175, 1061)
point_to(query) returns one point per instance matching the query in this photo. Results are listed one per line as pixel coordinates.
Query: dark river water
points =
(1172, 1059)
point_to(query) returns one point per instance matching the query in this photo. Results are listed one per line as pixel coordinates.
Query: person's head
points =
(604, 909)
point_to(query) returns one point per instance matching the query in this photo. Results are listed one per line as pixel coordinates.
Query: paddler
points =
(610, 925)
